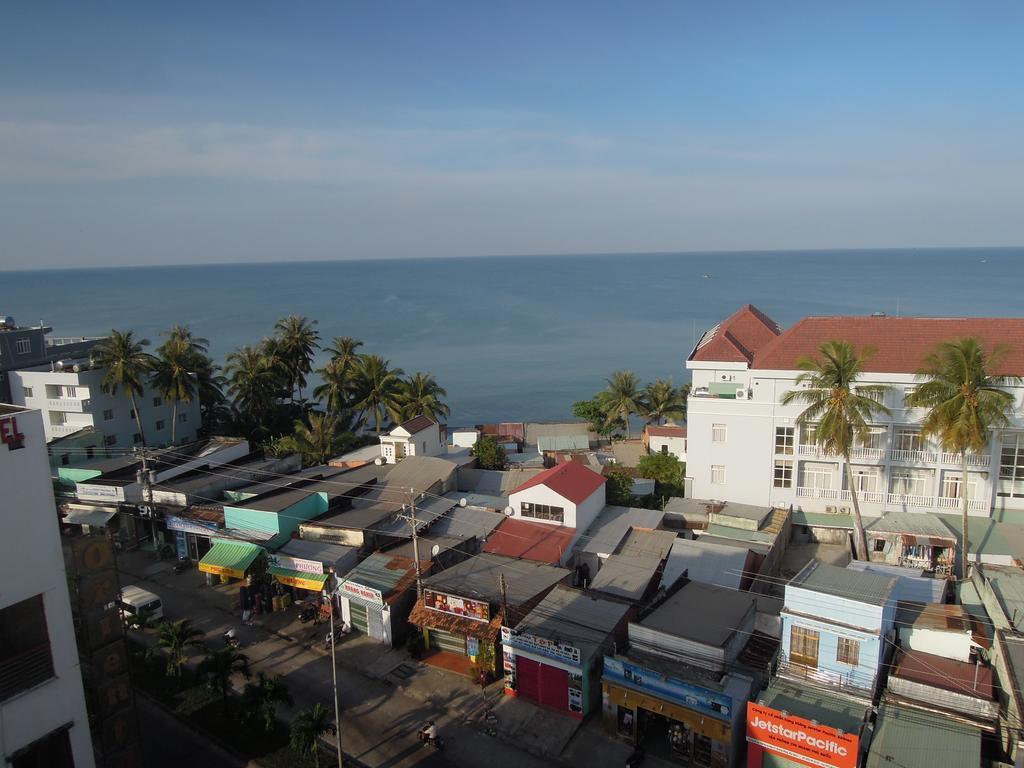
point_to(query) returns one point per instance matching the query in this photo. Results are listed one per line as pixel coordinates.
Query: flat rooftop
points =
(478, 577)
(859, 586)
(721, 613)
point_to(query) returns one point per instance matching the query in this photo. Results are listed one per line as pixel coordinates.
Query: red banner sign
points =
(9, 434)
(458, 606)
(793, 737)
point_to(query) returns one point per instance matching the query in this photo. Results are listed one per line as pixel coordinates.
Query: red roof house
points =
(568, 494)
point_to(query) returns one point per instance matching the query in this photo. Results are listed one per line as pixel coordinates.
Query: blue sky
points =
(148, 133)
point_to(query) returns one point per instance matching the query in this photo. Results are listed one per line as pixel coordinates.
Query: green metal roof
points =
(987, 536)
(236, 555)
(822, 519)
(740, 534)
(912, 738)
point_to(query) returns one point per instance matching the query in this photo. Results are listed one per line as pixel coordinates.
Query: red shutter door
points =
(554, 687)
(528, 678)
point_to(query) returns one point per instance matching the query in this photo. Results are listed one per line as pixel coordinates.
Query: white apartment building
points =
(43, 718)
(745, 446)
(71, 398)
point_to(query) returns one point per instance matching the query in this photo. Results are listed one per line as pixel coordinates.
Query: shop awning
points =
(229, 558)
(301, 579)
(93, 518)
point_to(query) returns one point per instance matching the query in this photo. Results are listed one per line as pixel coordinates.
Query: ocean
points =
(519, 338)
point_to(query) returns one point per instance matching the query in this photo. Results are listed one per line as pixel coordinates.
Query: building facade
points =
(420, 436)
(748, 447)
(24, 346)
(42, 705)
(568, 494)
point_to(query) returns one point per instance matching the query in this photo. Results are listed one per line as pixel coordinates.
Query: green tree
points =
(662, 400)
(595, 416)
(141, 620)
(263, 697)
(344, 352)
(126, 366)
(489, 455)
(298, 341)
(622, 398)
(378, 389)
(840, 408)
(175, 638)
(320, 438)
(666, 470)
(219, 667)
(252, 379)
(307, 728)
(966, 402)
(208, 381)
(619, 488)
(422, 395)
(173, 378)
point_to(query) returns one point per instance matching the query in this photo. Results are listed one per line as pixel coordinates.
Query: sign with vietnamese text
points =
(368, 594)
(9, 434)
(295, 564)
(806, 742)
(540, 645)
(457, 606)
(99, 492)
(645, 680)
(190, 526)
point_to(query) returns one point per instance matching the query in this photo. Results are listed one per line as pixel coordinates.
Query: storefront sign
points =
(88, 492)
(221, 570)
(190, 526)
(540, 645)
(9, 434)
(457, 606)
(657, 684)
(472, 646)
(368, 594)
(799, 739)
(313, 585)
(295, 564)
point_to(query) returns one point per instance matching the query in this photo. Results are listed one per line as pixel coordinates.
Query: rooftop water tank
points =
(7, 323)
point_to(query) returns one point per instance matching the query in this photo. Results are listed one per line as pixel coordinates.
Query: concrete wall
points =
(541, 494)
(675, 445)
(283, 524)
(32, 563)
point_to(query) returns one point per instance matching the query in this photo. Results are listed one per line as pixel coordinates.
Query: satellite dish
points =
(378, 461)
(509, 511)
(462, 501)
(435, 550)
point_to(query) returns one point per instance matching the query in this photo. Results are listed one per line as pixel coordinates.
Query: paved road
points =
(169, 743)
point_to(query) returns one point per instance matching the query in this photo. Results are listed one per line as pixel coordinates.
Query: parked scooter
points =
(336, 636)
(428, 736)
(230, 639)
(308, 613)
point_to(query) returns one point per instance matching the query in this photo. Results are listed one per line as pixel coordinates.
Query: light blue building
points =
(838, 628)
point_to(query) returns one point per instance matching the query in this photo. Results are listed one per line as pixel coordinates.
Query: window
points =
(51, 751)
(809, 434)
(718, 433)
(158, 401)
(664, 450)
(136, 438)
(865, 479)
(160, 424)
(1011, 467)
(110, 440)
(65, 459)
(26, 392)
(542, 512)
(879, 545)
(952, 485)
(817, 476)
(909, 440)
(803, 647)
(783, 475)
(784, 440)
(90, 452)
(108, 414)
(848, 651)
(718, 474)
(875, 439)
(23, 346)
(25, 659)
(909, 482)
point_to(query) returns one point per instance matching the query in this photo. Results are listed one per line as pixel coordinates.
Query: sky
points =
(169, 133)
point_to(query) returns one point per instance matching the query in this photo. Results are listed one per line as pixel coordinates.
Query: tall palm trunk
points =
(625, 417)
(138, 421)
(860, 542)
(174, 420)
(965, 547)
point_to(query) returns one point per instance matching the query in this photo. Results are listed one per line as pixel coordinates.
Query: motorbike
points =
(230, 640)
(437, 742)
(182, 565)
(308, 614)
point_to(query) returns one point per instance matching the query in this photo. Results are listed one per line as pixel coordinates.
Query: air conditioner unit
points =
(830, 509)
(741, 393)
(844, 510)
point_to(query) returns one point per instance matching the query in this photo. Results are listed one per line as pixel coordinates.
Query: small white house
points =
(667, 439)
(568, 494)
(420, 436)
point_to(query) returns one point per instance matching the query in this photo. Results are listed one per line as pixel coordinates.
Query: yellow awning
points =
(301, 579)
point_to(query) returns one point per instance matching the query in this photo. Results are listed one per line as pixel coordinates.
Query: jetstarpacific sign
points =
(799, 739)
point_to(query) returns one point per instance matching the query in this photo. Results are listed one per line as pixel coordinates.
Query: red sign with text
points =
(9, 434)
(799, 739)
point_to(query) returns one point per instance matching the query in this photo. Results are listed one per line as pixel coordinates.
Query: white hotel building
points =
(745, 446)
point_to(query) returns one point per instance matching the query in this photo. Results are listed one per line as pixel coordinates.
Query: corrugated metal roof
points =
(536, 431)
(625, 576)
(576, 618)
(478, 577)
(467, 522)
(613, 524)
(1008, 586)
(655, 544)
(491, 481)
(316, 550)
(987, 536)
(913, 738)
(427, 511)
(824, 707)
(721, 613)
(822, 519)
(914, 585)
(420, 472)
(563, 443)
(486, 501)
(740, 534)
(707, 562)
(919, 524)
(862, 587)
(382, 571)
(545, 543)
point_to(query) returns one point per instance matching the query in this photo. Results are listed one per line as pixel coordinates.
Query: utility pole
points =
(334, 680)
(503, 588)
(415, 543)
(146, 477)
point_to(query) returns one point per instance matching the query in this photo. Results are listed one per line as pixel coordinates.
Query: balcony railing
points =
(973, 505)
(908, 500)
(973, 459)
(25, 670)
(871, 497)
(854, 680)
(828, 494)
(809, 450)
(74, 405)
(912, 457)
(60, 430)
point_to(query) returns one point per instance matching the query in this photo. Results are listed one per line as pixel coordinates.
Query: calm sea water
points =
(519, 338)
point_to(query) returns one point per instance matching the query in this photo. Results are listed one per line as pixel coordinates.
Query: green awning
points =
(229, 558)
(301, 579)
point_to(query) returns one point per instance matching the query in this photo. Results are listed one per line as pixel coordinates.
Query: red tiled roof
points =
(570, 480)
(737, 338)
(530, 541)
(417, 424)
(669, 430)
(900, 343)
(940, 672)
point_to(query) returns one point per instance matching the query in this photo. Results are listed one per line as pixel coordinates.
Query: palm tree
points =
(319, 440)
(126, 365)
(342, 350)
(422, 395)
(298, 341)
(378, 389)
(662, 400)
(263, 696)
(209, 384)
(840, 408)
(336, 389)
(622, 398)
(966, 402)
(175, 638)
(307, 728)
(252, 380)
(219, 667)
(173, 378)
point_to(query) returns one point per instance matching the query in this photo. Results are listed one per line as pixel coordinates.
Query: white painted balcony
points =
(809, 450)
(973, 505)
(907, 500)
(973, 459)
(871, 497)
(68, 404)
(913, 457)
(60, 430)
(828, 494)
(869, 454)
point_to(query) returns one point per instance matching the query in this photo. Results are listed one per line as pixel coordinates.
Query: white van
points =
(135, 600)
